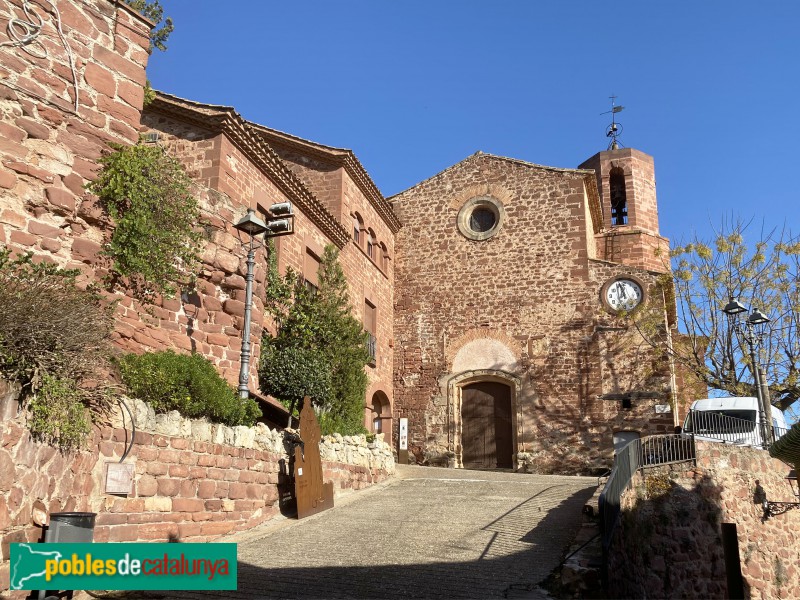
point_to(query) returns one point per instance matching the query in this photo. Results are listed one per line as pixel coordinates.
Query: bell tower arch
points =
(626, 182)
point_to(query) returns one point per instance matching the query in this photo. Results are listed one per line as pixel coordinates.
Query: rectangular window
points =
(311, 269)
(370, 317)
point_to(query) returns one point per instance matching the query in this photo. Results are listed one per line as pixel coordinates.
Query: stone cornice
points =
(225, 120)
(341, 157)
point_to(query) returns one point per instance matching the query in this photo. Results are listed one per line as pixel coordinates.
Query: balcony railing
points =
(372, 346)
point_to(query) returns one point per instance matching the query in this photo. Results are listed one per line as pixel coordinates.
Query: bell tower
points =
(627, 184)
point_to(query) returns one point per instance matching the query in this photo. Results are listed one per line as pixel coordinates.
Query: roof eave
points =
(341, 157)
(225, 120)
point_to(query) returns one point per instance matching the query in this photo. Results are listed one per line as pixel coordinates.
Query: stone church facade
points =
(487, 290)
(507, 349)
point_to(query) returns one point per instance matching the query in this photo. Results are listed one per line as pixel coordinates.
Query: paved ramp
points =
(429, 533)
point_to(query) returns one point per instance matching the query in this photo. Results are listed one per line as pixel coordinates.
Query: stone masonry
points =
(522, 308)
(235, 166)
(193, 480)
(48, 148)
(49, 152)
(669, 543)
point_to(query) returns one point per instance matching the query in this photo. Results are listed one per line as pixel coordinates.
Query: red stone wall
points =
(184, 489)
(533, 285)
(323, 178)
(236, 183)
(372, 279)
(669, 544)
(630, 246)
(369, 278)
(47, 150)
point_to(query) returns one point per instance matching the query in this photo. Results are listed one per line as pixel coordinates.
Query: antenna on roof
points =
(614, 130)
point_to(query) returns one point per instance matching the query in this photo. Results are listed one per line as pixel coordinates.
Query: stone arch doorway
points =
(379, 415)
(487, 425)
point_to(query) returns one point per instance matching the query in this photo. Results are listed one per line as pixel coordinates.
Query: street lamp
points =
(279, 222)
(745, 328)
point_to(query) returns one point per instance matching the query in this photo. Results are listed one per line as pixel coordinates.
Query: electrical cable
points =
(24, 34)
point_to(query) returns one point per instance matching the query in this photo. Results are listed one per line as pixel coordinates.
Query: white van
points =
(732, 420)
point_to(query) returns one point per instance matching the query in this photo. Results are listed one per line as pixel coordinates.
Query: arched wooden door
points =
(486, 430)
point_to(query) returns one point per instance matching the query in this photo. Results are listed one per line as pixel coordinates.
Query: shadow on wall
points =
(668, 543)
(516, 557)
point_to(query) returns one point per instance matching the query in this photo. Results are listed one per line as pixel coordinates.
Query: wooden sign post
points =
(312, 494)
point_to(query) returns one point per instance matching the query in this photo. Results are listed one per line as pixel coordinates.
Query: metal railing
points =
(372, 344)
(657, 450)
(719, 427)
(647, 452)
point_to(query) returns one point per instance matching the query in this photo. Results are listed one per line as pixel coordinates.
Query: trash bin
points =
(75, 527)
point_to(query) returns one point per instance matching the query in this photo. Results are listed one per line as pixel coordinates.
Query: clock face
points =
(623, 294)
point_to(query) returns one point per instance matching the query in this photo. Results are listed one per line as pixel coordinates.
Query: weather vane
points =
(614, 130)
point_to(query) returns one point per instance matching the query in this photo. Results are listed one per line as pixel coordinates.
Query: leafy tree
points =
(762, 274)
(320, 348)
(152, 10)
(155, 242)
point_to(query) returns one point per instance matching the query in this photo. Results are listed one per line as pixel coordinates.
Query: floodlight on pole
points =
(279, 222)
(745, 328)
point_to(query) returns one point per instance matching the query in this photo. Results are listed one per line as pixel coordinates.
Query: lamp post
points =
(279, 222)
(745, 328)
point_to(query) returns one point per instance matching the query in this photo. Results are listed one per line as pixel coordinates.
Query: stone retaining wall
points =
(193, 480)
(669, 545)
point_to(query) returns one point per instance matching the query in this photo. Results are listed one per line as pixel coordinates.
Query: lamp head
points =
(251, 224)
(278, 227)
(758, 318)
(281, 209)
(734, 307)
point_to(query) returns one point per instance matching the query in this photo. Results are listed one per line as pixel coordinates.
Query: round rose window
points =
(480, 218)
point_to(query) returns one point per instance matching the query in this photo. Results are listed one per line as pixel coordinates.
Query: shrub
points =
(54, 342)
(291, 373)
(57, 413)
(155, 242)
(188, 383)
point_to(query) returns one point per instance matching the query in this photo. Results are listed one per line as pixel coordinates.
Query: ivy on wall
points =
(155, 242)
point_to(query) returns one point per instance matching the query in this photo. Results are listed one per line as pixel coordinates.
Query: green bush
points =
(188, 383)
(320, 349)
(57, 413)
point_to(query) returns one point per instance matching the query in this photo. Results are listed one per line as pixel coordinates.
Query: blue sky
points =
(710, 88)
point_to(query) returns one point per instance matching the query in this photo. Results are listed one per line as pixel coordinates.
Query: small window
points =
(370, 317)
(311, 270)
(371, 244)
(384, 257)
(370, 325)
(358, 227)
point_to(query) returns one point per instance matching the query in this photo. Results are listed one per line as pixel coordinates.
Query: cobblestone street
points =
(428, 533)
